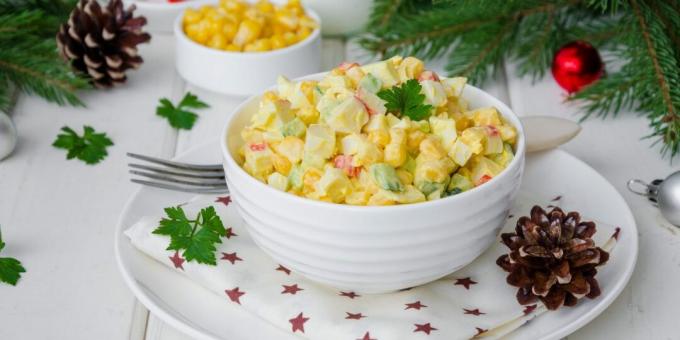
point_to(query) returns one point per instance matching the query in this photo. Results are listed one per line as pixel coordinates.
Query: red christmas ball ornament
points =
(576, 65)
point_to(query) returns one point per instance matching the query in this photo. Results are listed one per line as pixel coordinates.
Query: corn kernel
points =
(395, 154)
(281, 164)
(232, 48)
(380, 137)
(229, 30)
(303, 33)
(311, 176)
(287, 19)
(264, 6)
(290, 38)
(278, 42)
(218, 41)
(258, 45)
(248, 31)
(192, 16)
(414, 139)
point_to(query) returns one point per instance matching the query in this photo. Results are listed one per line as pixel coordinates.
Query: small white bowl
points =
(160, 16)
(372, 249)
(245, 73)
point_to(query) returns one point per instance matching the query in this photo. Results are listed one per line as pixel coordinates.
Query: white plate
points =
(198, 313)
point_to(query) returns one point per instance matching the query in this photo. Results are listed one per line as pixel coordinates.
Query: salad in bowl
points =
(373, 178)
(380, 134)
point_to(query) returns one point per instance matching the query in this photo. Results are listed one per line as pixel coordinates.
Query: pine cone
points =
(553, 258)
(102, 42)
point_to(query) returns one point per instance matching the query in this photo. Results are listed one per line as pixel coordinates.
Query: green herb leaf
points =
(197, 238)
(406, 100)
(10, 268)
(90, 148)
(178, 116)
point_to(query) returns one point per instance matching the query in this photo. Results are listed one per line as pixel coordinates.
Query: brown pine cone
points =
(102, 42)
(552, 258)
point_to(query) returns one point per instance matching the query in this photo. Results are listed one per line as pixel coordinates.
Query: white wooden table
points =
(58, 216)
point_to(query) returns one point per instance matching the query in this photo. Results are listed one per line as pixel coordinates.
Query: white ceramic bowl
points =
(161, 15)
(245, 73)
(372, 249)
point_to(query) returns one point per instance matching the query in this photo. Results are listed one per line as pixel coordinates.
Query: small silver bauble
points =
(664, 193)
(8, 135)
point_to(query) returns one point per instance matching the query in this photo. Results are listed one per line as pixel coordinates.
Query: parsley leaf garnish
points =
(179, 116)
(196, 237)
(406, 100)
(90, 148)
(10, 268)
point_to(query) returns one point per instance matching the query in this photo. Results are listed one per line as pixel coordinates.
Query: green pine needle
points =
(90, 148)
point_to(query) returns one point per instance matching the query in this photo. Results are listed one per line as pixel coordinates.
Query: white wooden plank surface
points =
(58, 216)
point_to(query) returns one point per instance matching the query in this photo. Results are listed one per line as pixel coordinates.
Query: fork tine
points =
(178, 165)
(195, 190)
(202, 174)
(178, 180)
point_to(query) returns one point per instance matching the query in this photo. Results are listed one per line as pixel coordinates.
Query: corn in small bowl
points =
(225, 48)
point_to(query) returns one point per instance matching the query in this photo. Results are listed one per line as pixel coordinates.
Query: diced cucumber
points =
(386, 177)
(429, 187)
(459, 182)
(295, 177)
(370, 83)
(295, 128)
(409, 165)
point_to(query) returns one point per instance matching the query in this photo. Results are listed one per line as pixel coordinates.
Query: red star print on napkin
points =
(367, 336)
(283, 269)
(234, 295)
(465, 282)
(298, 323)
(291, 289)
(177, 260)
(231, 257)
(415, 305)
(529, 309)
(475, 311)
(224, 200)
(230, 233)
(425, 328)
(353, 316)
(350, 295)
(480, 331)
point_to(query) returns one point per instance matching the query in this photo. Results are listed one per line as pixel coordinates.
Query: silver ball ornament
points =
(665, 193)
(8, 135)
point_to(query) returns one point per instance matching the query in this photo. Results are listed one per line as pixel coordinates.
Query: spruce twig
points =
(475, 36)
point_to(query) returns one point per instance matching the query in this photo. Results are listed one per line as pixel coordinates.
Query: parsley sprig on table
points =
(90, 148)
(197, 237)
(406, 100)
(179, 116)
(10, 268)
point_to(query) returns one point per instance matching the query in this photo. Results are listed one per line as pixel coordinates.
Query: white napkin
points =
(473, 302)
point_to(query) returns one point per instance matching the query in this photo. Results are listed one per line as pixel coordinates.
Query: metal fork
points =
(177, 176)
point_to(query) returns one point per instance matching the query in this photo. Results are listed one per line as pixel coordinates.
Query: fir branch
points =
(661, 78)
(382, 12)
(477, 35)
(28, 57)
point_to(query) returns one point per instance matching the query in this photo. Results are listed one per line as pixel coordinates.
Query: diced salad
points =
(345, 139)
